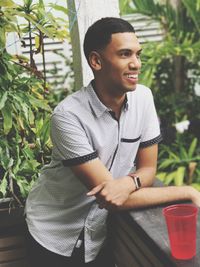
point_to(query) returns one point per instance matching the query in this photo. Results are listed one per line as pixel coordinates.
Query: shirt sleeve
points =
(70, 142)
(151, 128)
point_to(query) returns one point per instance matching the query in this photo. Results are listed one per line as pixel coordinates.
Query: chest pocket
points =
(128, 151)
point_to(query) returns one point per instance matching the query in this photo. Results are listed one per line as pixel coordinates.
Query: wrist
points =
(136, 180)
(130, 183)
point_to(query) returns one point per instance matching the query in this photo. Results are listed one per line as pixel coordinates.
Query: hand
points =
(113, 193)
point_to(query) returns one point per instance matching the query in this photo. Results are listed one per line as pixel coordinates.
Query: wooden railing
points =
(139, 239)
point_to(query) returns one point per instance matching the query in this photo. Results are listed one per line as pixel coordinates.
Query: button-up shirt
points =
(82, 129)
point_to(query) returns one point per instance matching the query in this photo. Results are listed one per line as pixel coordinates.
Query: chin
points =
(131, 88)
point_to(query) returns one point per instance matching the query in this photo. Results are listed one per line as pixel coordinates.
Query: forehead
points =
(124, 40)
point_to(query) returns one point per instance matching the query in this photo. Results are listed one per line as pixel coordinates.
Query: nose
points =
(135, 63)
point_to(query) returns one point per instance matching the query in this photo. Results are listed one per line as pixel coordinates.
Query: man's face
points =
(121, 63)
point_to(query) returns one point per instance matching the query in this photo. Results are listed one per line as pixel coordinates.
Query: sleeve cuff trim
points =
(126, 140)
(151, 142)
(79, 160)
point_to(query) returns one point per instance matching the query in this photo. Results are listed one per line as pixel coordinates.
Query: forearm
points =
(158, 195)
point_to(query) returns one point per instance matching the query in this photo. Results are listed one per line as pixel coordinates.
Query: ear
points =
(95, 60)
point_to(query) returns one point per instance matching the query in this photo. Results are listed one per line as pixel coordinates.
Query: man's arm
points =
(159, 195)
(114, 192)
(146, 196)
(146, 164)
(155, 195)
(99, 180)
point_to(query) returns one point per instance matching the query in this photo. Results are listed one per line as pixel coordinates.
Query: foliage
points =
(125, 7)
(24, 106)
(180, 165)
(171, 70)
(63, 87)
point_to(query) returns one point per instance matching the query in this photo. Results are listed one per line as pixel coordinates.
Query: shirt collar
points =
(98, 108)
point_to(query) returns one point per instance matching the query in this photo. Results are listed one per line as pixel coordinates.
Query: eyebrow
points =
(129, 50)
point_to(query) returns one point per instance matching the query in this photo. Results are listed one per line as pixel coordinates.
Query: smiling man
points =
(105, 141)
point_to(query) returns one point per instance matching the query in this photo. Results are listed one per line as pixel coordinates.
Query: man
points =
(105, 140)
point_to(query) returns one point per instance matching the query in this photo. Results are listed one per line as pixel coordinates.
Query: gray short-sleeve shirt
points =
(82, 129)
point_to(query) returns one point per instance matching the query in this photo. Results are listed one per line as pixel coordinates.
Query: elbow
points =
(152, 173)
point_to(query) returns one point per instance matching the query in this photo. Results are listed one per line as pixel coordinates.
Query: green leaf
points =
(43, 131)
(7, 118)
(192, 9)
(179, 176)
(23, 185)
(174, 156)
(183, 153)
(10, 164)
(41, 4)
(39, 103)
(36, 24)
(170, 177)
(59, 8)
(29, 167)
(166, 163)
(161, 176)
(17, 160)
(27, 152)
(22, 106)
(3, 99)
(28, 3)
(4, 185)
(7, 3)
(31, 117)
(192, 148)
(4, 156)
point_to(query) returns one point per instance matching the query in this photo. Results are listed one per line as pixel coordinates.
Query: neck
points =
(113, 101)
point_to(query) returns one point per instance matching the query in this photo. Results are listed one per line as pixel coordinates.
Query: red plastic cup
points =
(181, 220)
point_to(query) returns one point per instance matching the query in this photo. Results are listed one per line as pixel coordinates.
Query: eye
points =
(125, 53)
(138, 55)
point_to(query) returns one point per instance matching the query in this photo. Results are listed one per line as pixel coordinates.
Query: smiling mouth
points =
(132, 76)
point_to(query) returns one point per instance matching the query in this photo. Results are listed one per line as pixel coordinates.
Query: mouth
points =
(132, 77)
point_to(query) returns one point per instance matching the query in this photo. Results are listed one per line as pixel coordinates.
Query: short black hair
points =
(98, 35)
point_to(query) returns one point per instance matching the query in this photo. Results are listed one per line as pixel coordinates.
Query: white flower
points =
(182, 126)
(197, 89)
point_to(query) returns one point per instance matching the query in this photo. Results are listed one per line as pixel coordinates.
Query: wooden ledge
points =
(139, 239)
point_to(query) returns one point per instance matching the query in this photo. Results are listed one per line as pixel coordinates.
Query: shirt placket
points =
(119, 122)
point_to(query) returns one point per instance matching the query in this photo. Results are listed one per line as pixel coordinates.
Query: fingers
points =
(102, 198)
(109, 195)
(95, 190)
(102, 205)
(109, 205)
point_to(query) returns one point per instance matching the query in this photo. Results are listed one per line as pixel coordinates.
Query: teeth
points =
(133, 76)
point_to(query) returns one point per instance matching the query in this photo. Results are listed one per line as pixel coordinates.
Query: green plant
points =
(22, 135)
(60, 89)
(180, 165)
(171, 70)
(24, 107)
